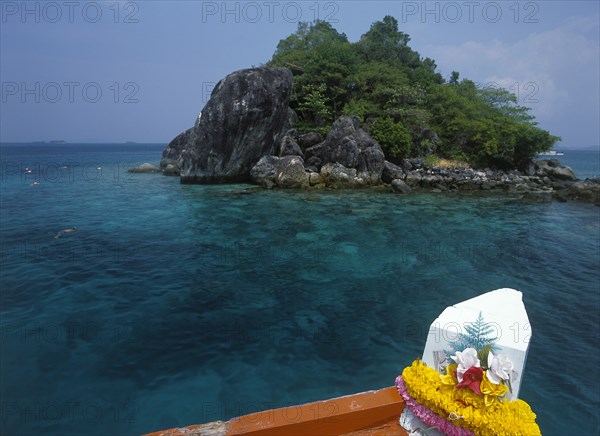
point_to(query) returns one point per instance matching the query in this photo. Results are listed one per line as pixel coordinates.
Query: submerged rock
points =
(401, 187)
(243, 121)
(144, 168)
(537, 196)
(587, 191)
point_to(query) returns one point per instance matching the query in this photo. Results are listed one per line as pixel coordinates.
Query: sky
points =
(85, 71)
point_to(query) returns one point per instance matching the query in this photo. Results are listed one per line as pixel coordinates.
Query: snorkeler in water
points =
(66, 231)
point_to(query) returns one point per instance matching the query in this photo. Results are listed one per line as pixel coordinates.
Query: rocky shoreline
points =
(245, 134)
(546, 180)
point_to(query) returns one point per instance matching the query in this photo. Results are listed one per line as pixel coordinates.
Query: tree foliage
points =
(313, 106)
(410, 106)
(392, 136)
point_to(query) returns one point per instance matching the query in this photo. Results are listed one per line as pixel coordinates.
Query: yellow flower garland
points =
(482, 414)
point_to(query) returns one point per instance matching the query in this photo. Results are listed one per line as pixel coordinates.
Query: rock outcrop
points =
(171, 161)
(348, 158)
(347, 144)
(542, 181)
(244, 120)
(553, 169)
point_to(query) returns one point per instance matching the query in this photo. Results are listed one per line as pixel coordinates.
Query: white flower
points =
(499, 368)
(465, 360)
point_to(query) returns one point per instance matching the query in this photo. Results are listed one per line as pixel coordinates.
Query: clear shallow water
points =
(178, 304)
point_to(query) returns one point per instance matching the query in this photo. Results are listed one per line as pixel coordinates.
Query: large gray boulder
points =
(391, 172)
(554, 170)
(309, 139)
(371, 162)
(280, 172)
(289, 146)
(244, 120)
(336, 175)
(348, 146)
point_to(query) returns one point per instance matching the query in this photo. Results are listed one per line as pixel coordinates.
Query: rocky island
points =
(278, 128)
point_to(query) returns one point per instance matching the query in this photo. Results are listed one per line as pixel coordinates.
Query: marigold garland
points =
(424, 385)
(427, 416)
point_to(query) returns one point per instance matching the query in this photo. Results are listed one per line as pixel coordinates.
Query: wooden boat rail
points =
(372, 413)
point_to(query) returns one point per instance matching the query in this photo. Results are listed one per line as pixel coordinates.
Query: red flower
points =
(472, 379)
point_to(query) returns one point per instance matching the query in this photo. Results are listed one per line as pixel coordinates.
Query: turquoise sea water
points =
(585, 163)
(176, 304)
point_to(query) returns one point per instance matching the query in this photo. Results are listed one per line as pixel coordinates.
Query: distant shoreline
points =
(83, 143)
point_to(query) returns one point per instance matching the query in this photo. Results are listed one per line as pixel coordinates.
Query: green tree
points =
(393, 138)
(319, 56)
(425, 74)
(506, 102)
(377, 83)
(454, 77)
(331, 64)
(313, 106)
(530, 141)
(384, 42)
(360, 107)
(295, 49)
